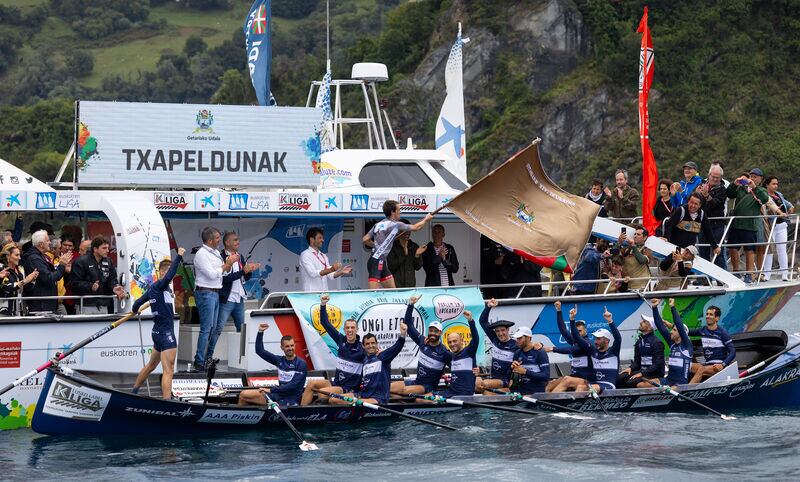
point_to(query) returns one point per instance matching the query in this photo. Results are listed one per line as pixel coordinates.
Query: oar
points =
(597, 398)
(372, 406)
(465, 403)
(672, 392)
(304, 445)
(535, 401)
(757, 366)
(61, 356)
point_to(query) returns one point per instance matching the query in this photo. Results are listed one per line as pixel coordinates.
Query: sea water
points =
(490, 445)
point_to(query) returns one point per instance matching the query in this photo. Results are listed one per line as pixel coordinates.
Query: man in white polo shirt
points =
(208, 270)
(315, 269)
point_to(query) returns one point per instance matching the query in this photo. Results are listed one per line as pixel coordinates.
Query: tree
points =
(194, 45)
(236, 89)
(293, 8)
(79, 63)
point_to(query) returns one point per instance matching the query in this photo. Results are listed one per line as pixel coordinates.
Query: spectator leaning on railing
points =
(94, 274)
(12, 279)
(715, 203)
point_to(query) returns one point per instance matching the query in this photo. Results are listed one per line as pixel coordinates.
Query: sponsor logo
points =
(524, 214)
(73, 401)
(10, 353)
(118, 353)
(258, 202)
(429, 411)
(696, 394)
(741, 388)
(13, 200)
(344, 415)
(69, 201)
(359, 202)
(204, 121)
(294, 202)
(413, 202)
(207, 200)
(651, 401)
(262, 381)
(330, 202)
(45, 200)
(162, 413)
(297, 231)
(170, 201)
(33, 383)
(314, 417)
(782, 378)
(240, 417)
(237, 201)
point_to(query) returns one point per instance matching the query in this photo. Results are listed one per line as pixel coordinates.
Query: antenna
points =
(459, 29)
(328, 33)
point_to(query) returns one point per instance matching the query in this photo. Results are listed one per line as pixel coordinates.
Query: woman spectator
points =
(779, 235)
(13, 280)
(663, 207)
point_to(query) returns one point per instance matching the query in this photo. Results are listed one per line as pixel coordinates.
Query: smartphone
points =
(622, 230)
(744, 182)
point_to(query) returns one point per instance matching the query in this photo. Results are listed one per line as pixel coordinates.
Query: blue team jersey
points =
(349, 356)
(377, 372)
(648, 356)
(717, 345)
(503, 352)
(291, 374)
(680, 354)
(605, 364)
(161, 300)
(580, 364)
(432, 359)
(537, 371)
(462, 380)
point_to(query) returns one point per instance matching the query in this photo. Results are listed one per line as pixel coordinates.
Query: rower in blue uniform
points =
(462, 376)
(530, 362)
(433, 356)
(718, 349)
(349, 357)
(648, 358)
(580, 364)
(165, 345)
(503, 350)
(604, 353)
(680, 351)
(292, 371)
(376, 378)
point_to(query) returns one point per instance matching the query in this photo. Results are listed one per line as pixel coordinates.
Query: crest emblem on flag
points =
(524, 215)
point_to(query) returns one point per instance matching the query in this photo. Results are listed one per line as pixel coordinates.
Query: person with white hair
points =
(46, 284)
(715, 205)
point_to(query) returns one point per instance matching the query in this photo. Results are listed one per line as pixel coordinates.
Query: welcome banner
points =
(380, 313)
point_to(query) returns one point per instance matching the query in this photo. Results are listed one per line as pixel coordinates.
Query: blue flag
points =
(257, 28)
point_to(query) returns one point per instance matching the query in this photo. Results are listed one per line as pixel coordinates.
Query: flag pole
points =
(328, 33)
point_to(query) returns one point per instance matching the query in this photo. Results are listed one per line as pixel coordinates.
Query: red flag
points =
(649, 171)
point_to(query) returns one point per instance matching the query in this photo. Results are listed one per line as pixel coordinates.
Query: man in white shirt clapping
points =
(315, 268)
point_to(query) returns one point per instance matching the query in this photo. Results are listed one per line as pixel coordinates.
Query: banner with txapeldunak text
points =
(517, 205)
(381, 314)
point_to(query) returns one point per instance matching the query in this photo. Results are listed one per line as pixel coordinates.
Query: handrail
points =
(23, 300)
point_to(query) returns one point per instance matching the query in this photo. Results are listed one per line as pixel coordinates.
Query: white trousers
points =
(779, 238)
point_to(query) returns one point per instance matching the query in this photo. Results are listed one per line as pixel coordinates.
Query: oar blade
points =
(727, 417)
(572, 416)
(308, 446)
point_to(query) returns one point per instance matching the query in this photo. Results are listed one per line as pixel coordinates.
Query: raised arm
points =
(577, 338)
(472, 348)
(562, 327)
(686, 342)
(484, 321)
(164, 282)
(409, 320)
(323, 320)
(261, 351)
(420, 224)
(390, 353)
(660, 326)
(614, 332)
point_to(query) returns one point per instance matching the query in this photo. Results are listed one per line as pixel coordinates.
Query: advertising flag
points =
(649, 170)
(451, 134)
(517, 205)
(257, 30)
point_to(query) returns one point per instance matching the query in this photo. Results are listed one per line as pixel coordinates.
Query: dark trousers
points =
(705, 251)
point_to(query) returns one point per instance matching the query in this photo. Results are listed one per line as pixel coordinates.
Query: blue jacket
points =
(680, 354)
(432, 359)
(349, 356)
(680, 198)
(717, 345)
(537, 371)
(580, 364)
(291, 374)
(228, 279)
(605, 364)
(161, 300)
(502, 352)
(462, 380)
(588, 268)
(377, 374)
(648, 356)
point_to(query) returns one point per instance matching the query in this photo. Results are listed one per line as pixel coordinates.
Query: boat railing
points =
(761, 269)
(23, 301)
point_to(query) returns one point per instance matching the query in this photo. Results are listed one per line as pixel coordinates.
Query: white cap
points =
(650, 320)
(522, 331)
(435, 324)
(693, 249)
(603, 333)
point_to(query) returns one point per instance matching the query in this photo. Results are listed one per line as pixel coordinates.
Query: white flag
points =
(451, 132)
(327, 141)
